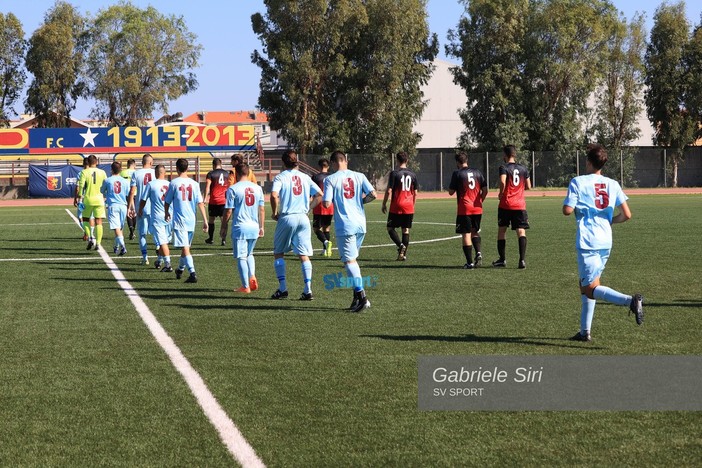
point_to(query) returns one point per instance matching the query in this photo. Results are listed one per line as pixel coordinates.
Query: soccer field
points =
(84, 383)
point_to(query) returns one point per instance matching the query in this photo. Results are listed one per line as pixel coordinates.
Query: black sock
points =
(210, 230)
(468, 252)
(405, 239)
(476, 245)
(522, 248)
(327, 235)
(501, 243)
(395, 238)
(320, 236)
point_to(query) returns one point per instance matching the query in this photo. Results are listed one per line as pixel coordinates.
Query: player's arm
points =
(225, 222)
(328, 194)
(369, 197)
(388, 193)
(208, 184)
(130, 202)
(205, 225)
(275, 201)
(568, 210)
(503, 186)
(316, 200)
(79, 190)
(527, 184)
(261, 220)
(483, 192)
(623, 215)
(142, 204)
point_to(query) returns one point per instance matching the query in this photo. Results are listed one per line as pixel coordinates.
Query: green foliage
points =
(344, 73)
(12, 74)
(665, 80)
(56, 58)
(693, 81)
(138, 60)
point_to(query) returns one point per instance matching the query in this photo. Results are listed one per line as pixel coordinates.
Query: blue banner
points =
(55, 181)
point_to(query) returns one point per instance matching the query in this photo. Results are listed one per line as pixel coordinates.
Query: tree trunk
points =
(675, 172)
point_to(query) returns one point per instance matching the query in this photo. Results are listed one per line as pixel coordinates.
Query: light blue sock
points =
(354, 273)
(603, 293)
(189, 262)
(586, 313)
(142, 246)
(181, 263)
(251, 261)
(279, 265)
(243, 267)
(120, 242)
(307, 276)
(167, 258)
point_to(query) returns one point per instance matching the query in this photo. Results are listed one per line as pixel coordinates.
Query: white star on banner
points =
(88, 138)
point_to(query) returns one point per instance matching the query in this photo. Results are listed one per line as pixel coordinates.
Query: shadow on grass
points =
(676, 303)
(535, 341)
(403, 265)
(267, 308)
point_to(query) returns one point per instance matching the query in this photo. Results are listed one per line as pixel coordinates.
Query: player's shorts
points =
(116, 216)
(182, 238)
(321, 221)
(94, 211)
(349, 246)
(517, 218)
(396, 220)
(242, 248)
(466, 223)
(293, 233)
(591, 264)
(161, 233)
(142, 224)
(215, 211)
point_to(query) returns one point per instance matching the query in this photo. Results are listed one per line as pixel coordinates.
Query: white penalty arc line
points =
(231, 436)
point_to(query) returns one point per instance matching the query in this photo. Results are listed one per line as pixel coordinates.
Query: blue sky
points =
(228, 80)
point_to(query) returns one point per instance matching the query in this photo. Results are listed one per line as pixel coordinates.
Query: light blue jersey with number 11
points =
(183, 196)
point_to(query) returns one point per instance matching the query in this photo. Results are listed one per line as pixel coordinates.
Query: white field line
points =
(228, 432)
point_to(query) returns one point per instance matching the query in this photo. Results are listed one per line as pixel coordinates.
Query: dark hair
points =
(116, 167)
(461, 157)
(86, 162)
(216, 162)
(510, 151)
(92, 160)
(159, 168)
(597, 155)
(242, 170)
(131, 162)
(237, 159)
(324, 162)
(181, 165)
(402, 157)
(146, 158)
(290, 159)
(338, 156)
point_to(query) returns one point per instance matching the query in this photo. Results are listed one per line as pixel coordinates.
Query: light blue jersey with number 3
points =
(183, 196)
(594, 198)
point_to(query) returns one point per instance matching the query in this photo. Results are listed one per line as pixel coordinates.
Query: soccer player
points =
(115, 191)
(593, 198)
(140, 179)
(215, 196)
(80, 206)
(127, 174)
(322, 217)
(160, 229)
(470, 189)
(290, 203)
(89, 184)
(185, 197)
(514, 179)
(245, 199)
(349, 191)
(236, 159)
(402, 190)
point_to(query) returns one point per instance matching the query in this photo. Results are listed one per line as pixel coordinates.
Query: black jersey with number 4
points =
(218, 186)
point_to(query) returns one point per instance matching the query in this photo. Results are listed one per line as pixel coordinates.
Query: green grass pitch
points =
(83, 383)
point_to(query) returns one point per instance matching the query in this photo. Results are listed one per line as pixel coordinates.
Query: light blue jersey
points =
(347, 189)
(140, 179)
(294, 189)
(244, 198)
(594, 198)
(183, 196)
(115, 190)
(155, 194)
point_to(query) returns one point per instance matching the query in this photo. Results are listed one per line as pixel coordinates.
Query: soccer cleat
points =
(115, 249)
(253, 283)
(636, 307)
(158, 264)
(96, 246)
(401, 251)
(208, 241)
(91, 244)
(328, 249)
(354, 303)
(131, 235)
(468, 266)
(144, 261)
(122, 251)
(363, 302)
(499, 263)
(167, 269)
(478, 260)
(179, 273)
(522, 264)
(278, 294)
(243, 290)
(580, 337)
(306, 296)
(224, 242)
(192, 278)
